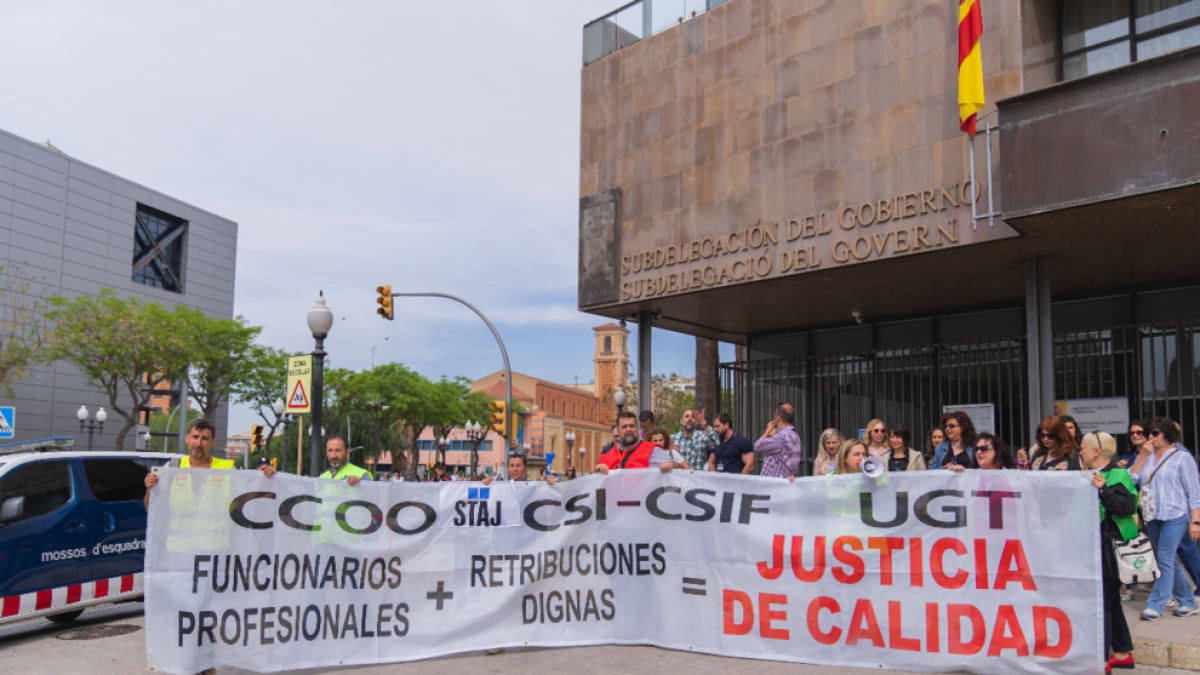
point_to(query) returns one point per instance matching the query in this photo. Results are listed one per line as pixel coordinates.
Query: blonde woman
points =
(877, 438)
(850, 457)
(827, 448)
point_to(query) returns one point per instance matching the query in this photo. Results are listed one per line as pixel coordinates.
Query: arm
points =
(748, 463)
(918, 460)
(769, 431)
(1136, 469)
(769, 445)
(712, 461)
(1118, 500)
(150, 481)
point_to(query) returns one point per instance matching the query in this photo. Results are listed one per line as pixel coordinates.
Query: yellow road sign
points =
(299, 384)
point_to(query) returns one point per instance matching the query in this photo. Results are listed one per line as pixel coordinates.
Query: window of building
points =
(1099, 35)
(573, 410)
(115, 480)
(46, 487)
(607, 343)
(158, 249)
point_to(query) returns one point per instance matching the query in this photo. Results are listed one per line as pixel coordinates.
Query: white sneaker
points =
(1126, 598)
(1188, 611)
(1172, 602)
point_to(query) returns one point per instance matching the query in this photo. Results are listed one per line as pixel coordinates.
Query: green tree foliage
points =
(222, 348)
(261, 378)
(168, 422)
(24, 329)
(114, 342)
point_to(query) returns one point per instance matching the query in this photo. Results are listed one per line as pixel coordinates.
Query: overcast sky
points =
(433, 146)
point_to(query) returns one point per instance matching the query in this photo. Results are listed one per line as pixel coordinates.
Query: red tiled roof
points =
(500, 389)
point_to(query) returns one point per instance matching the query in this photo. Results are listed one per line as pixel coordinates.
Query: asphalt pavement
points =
(35, 648)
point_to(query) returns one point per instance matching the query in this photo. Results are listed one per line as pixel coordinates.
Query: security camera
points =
(857, 316)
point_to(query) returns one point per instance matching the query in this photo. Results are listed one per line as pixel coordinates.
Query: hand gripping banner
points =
(984, 571)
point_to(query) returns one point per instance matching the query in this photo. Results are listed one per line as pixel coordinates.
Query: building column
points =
(1039, 338)
(644, 373)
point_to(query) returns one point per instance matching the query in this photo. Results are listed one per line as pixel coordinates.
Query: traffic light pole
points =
(507, 370)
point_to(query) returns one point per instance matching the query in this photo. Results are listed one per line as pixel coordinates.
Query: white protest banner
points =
(983, 571)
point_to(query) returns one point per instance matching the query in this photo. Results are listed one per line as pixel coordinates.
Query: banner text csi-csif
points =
(986, 571)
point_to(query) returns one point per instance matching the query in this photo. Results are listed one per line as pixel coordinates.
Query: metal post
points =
(645, 330)
(282, 455)
(503, 353)
(1039, 339)
(315, 445)
(183, 399)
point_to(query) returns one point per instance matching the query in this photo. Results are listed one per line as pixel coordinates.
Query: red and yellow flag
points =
(970, 67)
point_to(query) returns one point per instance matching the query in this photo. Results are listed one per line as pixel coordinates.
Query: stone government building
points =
(789, 176)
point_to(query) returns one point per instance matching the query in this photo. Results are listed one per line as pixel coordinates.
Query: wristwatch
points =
(1195, 522)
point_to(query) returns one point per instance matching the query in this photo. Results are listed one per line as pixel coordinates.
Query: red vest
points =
(640, 458)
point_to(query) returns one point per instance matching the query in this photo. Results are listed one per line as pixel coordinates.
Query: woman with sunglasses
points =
(959, 447)
(1138, 447)
(1058, 450)
(990, 453)
(1168, 471)
(877, 438)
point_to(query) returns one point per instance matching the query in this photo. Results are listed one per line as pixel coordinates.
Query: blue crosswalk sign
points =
(7, 424)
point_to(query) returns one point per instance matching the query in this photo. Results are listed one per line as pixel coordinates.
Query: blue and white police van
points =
(72, 528)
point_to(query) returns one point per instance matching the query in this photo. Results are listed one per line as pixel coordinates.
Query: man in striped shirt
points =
(780, 445)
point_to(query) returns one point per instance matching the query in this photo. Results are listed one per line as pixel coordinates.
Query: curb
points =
(1179, 655)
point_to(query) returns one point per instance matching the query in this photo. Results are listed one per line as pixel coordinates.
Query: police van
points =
(72, 528)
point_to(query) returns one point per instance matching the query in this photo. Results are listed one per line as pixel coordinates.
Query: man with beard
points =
(633, 453)
(696, 440)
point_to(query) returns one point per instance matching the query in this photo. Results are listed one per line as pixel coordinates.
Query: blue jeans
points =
(1166, 536)
(1189, 557)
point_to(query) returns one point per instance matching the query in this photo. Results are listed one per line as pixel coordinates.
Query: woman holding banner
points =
(1118, 503)
(1058, 451)
(959, 447)
(850, 457)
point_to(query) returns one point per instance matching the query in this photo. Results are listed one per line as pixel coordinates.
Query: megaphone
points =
(873, 466)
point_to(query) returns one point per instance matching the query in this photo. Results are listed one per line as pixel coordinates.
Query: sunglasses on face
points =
(951, 426)
(1137, 433)
(1049, 436)
(983, 448)
(1155, 432)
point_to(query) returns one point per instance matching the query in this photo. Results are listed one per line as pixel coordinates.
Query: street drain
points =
(98, 632)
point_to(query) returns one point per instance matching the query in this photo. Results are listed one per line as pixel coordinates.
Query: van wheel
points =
(65, 617)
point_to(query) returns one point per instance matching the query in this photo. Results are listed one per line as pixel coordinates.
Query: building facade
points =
(76, 229)
(791, 177)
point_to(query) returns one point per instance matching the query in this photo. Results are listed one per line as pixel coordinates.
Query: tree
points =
(114, 342)
(222, 346)
(667, 401)
(390, 396)
(707, 359)
(24, 328)
(263, 379)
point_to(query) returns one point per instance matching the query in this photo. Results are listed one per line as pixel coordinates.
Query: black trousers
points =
(1116, 629)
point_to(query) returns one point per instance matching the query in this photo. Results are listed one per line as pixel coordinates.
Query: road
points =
(34, 648)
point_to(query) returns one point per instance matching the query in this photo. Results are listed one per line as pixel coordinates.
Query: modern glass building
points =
(791, 177)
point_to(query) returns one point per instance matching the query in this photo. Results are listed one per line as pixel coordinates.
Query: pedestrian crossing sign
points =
(7, 425)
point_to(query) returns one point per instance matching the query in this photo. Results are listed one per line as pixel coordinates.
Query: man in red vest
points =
(632, 453)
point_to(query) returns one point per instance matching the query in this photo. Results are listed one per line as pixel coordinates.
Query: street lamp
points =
(443, 445)
(570, 438)
(475, 433)
(320, 320)
(619, 398)
(89, 426)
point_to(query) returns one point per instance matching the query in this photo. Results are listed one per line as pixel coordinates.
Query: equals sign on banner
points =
(689, 581)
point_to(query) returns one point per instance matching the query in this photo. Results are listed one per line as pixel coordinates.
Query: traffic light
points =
(386, 310)
(256, 439)
(499, 415)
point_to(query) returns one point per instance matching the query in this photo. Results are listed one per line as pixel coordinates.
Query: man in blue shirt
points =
(734, 454)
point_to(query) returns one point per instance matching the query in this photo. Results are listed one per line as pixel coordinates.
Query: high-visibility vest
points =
(199, 522)
(347, 470)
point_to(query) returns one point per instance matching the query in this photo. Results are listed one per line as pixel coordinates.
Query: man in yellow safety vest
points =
(200, 439)
(337, 451)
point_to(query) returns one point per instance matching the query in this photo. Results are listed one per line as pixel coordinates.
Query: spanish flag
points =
(970, 67)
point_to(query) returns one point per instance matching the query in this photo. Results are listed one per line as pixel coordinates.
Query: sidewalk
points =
(1170, 642)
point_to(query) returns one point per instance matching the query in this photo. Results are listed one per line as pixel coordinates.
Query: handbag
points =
(1136, 563)
(1145, 496)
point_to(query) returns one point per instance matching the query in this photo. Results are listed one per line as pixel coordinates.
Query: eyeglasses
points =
(1155, 432)
(1136, 433)
(951, 426)
(984, 448)
(1052, 436)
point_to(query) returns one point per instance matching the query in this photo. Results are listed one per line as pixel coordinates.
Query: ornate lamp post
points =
(619, 398)
(89, 426)
(475, 433)
(320, 320)
(443, 446)
(570, 438)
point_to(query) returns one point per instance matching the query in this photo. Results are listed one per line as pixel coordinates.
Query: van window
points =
(115, 480)
(46, 487)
